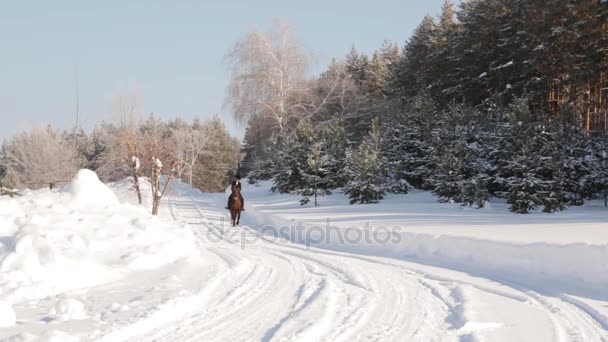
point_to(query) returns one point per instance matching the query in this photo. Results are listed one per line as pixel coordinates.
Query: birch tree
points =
(188, 144)
(267, 70)
(38, 157)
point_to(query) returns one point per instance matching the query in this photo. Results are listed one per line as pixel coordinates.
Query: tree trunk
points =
(137, 188)
(155, 179)
(155, 204)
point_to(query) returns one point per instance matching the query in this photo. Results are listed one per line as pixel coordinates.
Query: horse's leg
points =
(238, 218)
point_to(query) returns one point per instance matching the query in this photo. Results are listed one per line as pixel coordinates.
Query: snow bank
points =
(78, 237)
(87, 190)
(8, 318)
(565, 252)
(68, 309)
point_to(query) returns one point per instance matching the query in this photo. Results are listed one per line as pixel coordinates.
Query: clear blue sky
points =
(171, 51)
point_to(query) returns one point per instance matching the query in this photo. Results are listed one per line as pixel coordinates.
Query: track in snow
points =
(282, 292)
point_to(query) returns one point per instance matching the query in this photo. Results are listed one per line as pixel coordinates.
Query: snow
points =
(136, 163)
(407, 269)
(59, 244)
(50, 335)
(506, 65)
(87, 190)
(564, 251)
(8, 317)
(68, 309)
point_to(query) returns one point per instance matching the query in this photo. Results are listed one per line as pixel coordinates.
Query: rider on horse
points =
(236, 183)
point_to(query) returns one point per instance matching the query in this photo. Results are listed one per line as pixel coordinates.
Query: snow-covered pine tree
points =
(574, 156)
(263, 169)
(475, 186)
(451, 170)
(598, 178)
(475, 191)
(407, 145)
(356, 65)
(553, 197)
(365, 170)
(315, 176)
(377, 77)
(334, 145)
(291, 158)
(551, 165)
(448, 178)
(525, 188)
(395, 151)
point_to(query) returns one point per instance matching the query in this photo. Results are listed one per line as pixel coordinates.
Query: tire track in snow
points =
(291, 292)
(322, 298)
(571, 321)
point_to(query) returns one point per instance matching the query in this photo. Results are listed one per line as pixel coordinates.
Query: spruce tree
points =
(335, 143)
(448, 178)
(291, 158)
(525, 188)
(365, 170)
(315, 176)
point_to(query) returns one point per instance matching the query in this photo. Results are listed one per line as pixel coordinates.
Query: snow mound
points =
(68, 309)
(87, 190)
(8, 318)
(56, 241)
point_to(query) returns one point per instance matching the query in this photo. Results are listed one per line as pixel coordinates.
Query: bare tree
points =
(331, 97)
(125, 151)
(155, 153)
(127, 143)
(38, 157)
(267, 70)
(74, 135)
(188, 145)
(125, 108)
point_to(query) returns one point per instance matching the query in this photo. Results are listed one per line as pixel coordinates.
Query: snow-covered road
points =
(108, 271)
(266, 289)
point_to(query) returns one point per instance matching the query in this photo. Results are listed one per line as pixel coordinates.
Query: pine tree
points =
(448, 178)
(335, 144)
(356, 65)
(377, 77)
(598, 178)
(412, 72)
(365, 184)
(290, 160)
(365, 170)
(524, 187)
(475, 191)
(315, 176)
(261, 170)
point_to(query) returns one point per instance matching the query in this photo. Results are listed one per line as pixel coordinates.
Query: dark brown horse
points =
(235, 208)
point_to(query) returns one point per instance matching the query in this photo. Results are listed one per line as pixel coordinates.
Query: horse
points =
(235, 208)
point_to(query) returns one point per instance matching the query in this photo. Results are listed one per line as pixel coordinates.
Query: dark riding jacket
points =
(238, 185)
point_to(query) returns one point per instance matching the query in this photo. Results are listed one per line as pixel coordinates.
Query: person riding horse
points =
(236, 183)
